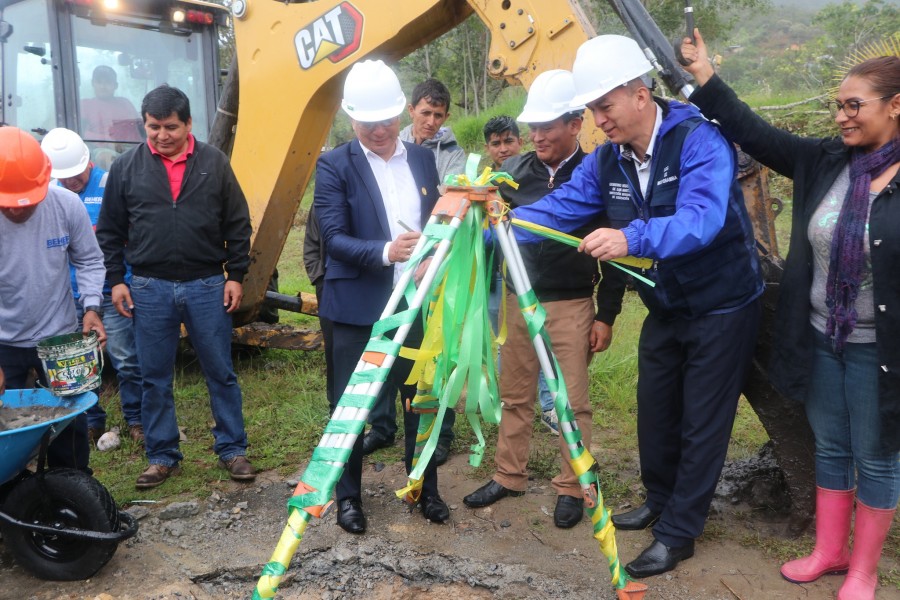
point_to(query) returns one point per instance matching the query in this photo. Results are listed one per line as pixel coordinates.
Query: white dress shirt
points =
(643, 164)
(399, 194)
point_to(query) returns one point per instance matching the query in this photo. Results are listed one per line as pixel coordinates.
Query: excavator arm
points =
(292, 59)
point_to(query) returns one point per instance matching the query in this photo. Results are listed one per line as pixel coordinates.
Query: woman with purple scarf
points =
(838, 321)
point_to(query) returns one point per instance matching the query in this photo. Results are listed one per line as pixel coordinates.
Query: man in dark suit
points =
(368, 192)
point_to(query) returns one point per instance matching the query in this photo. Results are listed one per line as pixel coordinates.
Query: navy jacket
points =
(355, 227)
(814, 164)
(693, 223)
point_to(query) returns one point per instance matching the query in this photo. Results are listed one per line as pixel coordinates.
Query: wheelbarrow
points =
(59, 524)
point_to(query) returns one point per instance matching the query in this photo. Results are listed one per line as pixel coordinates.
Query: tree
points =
(459, 60)
(849, 27)
(715, 19)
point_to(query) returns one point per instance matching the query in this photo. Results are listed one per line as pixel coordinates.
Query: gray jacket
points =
(35, 291)
(449, 157)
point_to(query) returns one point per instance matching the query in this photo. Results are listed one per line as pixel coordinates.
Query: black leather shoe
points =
(375, 441)
(658, 558)
(488, 494)
(569, 511)
(441, 452)
(350, 516)
(640, 518)
(435, 509)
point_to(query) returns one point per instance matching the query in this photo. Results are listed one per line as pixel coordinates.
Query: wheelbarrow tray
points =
(19, 446)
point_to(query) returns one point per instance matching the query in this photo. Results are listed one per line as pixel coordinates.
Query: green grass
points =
(614, 380)
(284, 412)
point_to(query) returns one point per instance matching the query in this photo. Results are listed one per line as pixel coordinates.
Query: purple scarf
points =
(847, 263)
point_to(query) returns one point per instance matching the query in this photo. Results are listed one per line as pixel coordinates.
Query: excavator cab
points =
(87, 64)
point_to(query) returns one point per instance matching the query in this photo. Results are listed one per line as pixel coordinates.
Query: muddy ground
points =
(213, 548)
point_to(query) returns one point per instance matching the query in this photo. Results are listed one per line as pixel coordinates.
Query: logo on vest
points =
(666, 178)
(335, 35)
(620, 192)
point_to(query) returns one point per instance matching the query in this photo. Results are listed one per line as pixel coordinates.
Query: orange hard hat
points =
(24, 169)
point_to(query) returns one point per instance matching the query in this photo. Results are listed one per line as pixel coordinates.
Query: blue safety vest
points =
(721, 277)
(92, 197)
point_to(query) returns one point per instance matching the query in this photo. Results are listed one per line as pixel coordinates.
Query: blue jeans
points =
(544, 394)
(160, 306)
(122, 355)
(842, 408)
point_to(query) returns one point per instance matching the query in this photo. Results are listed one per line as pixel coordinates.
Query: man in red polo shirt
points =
(174, 211)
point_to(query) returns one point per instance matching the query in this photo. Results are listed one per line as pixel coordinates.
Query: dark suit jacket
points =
(355, 227)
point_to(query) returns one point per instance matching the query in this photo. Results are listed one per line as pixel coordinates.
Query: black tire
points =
(66, 497)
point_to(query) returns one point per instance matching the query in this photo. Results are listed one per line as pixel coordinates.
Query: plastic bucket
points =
(72, 362)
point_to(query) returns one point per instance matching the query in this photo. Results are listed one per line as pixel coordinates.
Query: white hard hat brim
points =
(373, 116)
(584, 98)
(544, 116)
(71, 171)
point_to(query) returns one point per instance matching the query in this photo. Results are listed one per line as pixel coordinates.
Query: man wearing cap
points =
(667, 182)
(72, 167)
(43, 229)
(175, 210)
(563, 280)
(364, 191)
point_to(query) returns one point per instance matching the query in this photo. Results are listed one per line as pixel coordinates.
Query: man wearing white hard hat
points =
(367, 193)
(71, 164)
(43, 230)
(563, 280)
(667, 182)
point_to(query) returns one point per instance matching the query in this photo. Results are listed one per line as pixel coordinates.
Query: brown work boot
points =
(137, 433)
(239, 468)
(155, 475)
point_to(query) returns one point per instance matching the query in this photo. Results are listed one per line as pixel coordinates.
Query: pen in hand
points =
(404, 225)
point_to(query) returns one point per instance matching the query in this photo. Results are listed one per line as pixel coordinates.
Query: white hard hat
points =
(372, 92)
(69, 156)
(549, 97)
(604, 63)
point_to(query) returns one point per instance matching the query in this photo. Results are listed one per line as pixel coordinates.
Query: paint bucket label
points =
(72, 362)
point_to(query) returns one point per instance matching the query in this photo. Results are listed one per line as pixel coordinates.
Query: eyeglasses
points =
(851, 107)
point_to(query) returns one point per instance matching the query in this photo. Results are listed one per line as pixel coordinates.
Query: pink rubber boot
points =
(831, 554)
(872, 526)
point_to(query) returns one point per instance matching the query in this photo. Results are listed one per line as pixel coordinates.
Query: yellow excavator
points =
(276, 106)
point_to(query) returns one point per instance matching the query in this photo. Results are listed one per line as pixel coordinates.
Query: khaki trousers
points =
(569, 325)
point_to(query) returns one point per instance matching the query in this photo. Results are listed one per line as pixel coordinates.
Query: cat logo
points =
(335, 35)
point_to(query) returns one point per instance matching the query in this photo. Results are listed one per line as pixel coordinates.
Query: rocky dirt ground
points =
(213, 548)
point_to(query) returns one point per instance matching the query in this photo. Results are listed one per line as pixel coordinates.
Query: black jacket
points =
(814, 165)
(560, 272)
(208, 228)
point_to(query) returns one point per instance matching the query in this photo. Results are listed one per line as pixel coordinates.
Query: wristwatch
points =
(95, 309)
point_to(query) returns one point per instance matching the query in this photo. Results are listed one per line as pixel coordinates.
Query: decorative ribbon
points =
(571, 240)
(455, 361)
